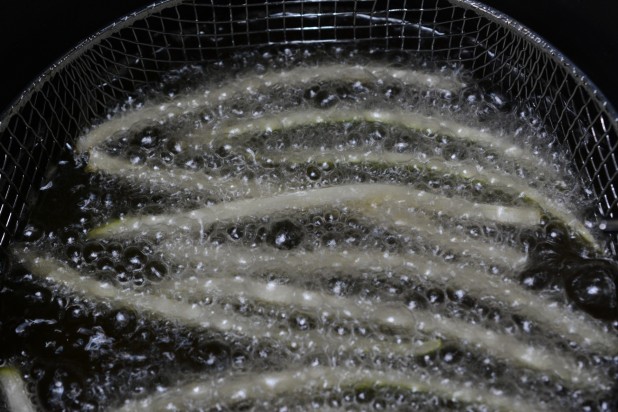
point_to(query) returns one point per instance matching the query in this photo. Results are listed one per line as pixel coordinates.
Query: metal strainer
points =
(107, 68)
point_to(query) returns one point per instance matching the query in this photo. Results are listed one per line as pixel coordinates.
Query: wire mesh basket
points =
(108, 67)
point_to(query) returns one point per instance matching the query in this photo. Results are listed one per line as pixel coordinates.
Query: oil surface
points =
(81, 353)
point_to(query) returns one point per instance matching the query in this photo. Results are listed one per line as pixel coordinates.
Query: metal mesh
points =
(108, 67)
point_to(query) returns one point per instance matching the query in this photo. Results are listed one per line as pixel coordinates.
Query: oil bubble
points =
(593, 288)
(313, 173)
(285, 235)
